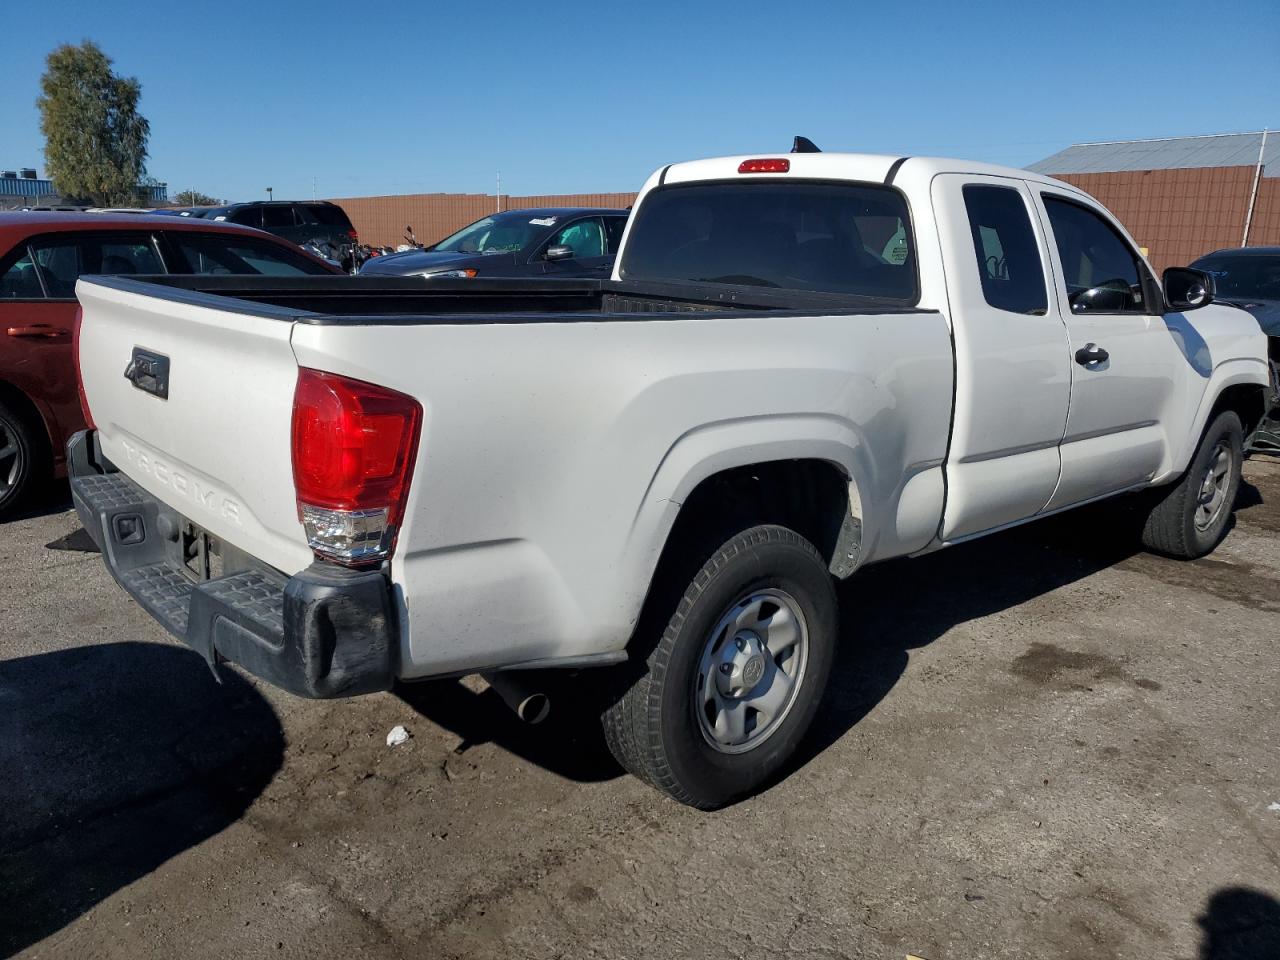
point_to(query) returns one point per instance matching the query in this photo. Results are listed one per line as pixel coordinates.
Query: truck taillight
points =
(354, 446)
(765, 165)
(75, 352)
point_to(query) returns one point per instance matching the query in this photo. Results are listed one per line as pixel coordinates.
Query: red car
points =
(41, 255)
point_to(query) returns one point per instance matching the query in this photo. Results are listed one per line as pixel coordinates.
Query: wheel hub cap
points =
(741, 665)
(751, 669)
(1213, 487)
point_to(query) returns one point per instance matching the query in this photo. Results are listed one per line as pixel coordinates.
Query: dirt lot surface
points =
(1044, 744)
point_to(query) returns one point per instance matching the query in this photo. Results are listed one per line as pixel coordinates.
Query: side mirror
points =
(1187, 289)
(558, 252)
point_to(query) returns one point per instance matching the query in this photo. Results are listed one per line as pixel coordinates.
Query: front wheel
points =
(1190, 517)
(738, 674)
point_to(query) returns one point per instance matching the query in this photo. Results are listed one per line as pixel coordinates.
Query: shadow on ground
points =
(55, 499)
(891, 608)
(569, 743)
(887, 610)
(114, 758)
(1240, 924)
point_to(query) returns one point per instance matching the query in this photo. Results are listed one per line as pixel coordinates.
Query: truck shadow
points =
(892, 608)
(569, 743)
(1240, 924)
(116, 758)
(887, 611)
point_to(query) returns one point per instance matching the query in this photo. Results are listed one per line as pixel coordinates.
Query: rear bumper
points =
(325, 632)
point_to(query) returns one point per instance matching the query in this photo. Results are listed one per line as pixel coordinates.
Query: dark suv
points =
(318, 223)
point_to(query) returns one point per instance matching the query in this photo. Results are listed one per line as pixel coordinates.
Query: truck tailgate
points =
(217, 447)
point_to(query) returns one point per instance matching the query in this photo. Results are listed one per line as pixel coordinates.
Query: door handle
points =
(1090, 354)
(41, 330)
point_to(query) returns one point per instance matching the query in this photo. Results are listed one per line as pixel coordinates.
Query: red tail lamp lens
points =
(354, 444)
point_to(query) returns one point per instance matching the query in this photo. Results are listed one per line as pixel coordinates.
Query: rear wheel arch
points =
(21, 403)
(814, 497)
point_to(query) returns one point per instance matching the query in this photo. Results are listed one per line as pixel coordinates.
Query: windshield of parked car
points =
(503, 233)
(831, 237)
(1243, 276)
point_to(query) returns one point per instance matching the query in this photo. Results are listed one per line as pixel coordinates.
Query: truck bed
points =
(394, 300)
(563, 424)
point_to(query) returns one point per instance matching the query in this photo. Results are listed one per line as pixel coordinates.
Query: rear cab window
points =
(852, 238)
(1005, 245)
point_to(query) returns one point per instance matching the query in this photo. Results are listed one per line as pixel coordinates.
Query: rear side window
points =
(19, 281)
(1008, 257)
(833, 237)
(1099, 269)
(245, 216)
(613, 227)
(227, 254)
(62, 260)
(281, 216)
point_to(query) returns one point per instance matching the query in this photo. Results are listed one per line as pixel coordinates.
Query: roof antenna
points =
(804, 145)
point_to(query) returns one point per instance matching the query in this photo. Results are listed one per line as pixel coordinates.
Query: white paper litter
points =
(1274, 807)
(397, 736)
(543, 221)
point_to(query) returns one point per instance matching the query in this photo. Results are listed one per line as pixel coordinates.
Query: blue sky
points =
(372, 98)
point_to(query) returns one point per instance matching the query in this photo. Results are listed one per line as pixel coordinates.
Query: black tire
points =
(653, 727)
(1175, 525)
(23, 468)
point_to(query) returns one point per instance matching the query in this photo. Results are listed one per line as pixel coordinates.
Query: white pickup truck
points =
(803, 364)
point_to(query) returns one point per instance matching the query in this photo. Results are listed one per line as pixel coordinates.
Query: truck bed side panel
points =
(554, 456)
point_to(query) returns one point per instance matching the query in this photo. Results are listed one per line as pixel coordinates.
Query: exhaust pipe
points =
(518, 690)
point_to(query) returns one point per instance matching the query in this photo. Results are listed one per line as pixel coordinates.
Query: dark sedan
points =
(547, 242)
(1249, 277)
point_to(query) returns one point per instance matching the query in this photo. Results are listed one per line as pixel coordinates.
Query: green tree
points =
(95, 139)
(194, 198)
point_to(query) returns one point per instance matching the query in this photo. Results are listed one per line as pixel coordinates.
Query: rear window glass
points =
(836, 238)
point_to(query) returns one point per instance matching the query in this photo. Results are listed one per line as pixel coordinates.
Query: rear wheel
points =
(20, 453)
(1190, 517)
(735, 679)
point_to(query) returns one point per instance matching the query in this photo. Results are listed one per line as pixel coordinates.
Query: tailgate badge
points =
(149, 372)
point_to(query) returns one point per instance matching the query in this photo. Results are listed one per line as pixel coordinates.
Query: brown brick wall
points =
(381, 220)
(1176, 214)
(1179, 215)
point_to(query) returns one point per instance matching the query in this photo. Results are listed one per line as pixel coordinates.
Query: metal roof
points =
(1166, 153)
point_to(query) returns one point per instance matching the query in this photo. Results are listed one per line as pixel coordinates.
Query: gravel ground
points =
(1043, 744)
